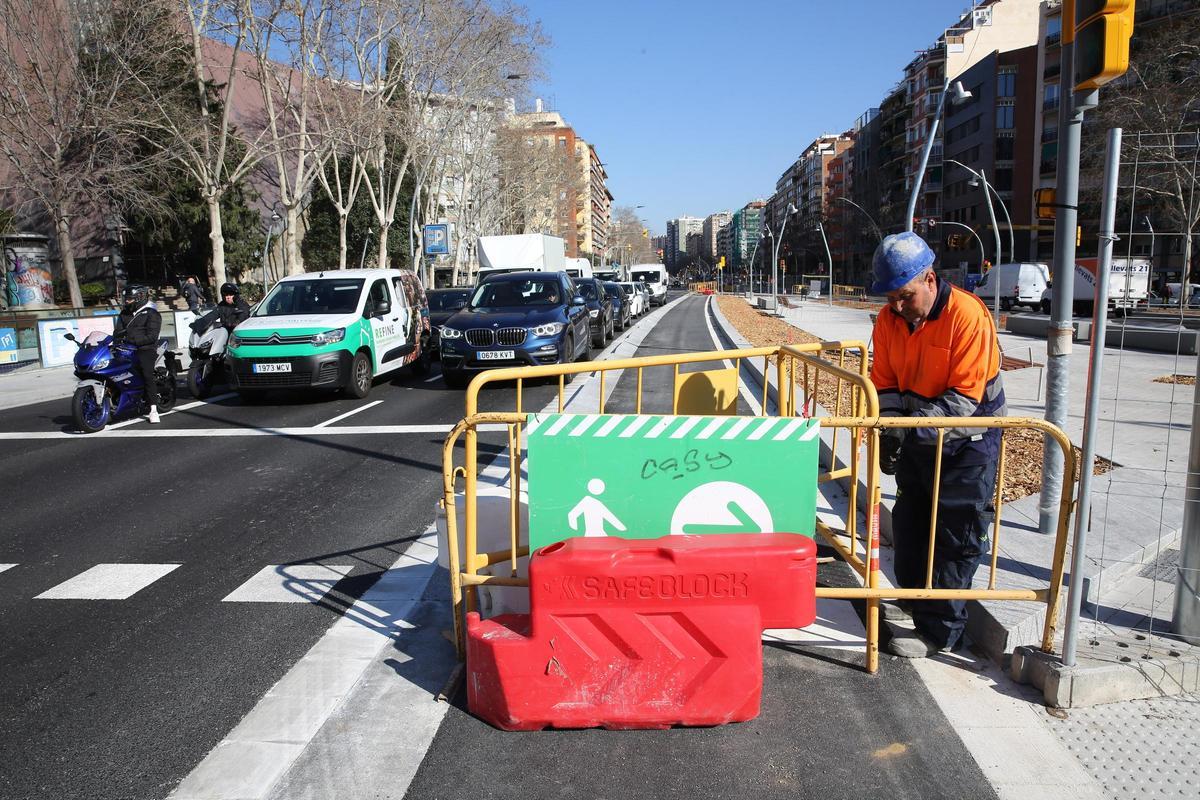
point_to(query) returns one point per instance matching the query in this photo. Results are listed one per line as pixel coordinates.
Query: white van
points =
(579, 268)
(654, 276)
(1020, 285)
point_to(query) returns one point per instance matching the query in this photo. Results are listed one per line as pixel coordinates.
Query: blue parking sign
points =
(437, 240)
(8, 346)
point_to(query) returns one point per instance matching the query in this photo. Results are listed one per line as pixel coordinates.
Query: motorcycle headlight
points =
(101, 363)
(329, 337)
(549, 329)
(451, 333)
(594, 313)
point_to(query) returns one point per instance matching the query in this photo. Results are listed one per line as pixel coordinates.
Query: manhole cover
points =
(1164, 568)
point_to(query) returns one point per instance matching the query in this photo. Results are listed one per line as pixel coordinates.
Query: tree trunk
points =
(217, 237)
(382, 254)
(67, 252)
(343, 221)
(292, 241)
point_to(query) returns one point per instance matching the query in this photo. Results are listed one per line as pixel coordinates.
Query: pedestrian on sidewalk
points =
(193, 294)
(936, 355)
(139, 325)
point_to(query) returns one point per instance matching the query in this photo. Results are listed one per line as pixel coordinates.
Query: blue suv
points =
(515, 319)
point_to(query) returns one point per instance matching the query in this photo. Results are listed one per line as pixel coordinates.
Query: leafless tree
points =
(65, 109)
(1157, 103)
(629, 237)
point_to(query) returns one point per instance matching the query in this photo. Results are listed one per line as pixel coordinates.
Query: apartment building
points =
(593, 214)
(677, 232)
(745, 229)
(556, 212)
(713, 225)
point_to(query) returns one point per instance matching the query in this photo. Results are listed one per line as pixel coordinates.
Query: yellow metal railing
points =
(804, 373)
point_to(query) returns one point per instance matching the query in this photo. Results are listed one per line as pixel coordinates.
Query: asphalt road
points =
(121, 698)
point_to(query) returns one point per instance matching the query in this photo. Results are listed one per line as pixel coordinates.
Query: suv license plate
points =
(261, 368)
(497, 355)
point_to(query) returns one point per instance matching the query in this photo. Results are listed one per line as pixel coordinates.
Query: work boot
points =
(153, 417)
(895, 610)
(910, 644)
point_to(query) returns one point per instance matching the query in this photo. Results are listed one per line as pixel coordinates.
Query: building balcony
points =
(1050, 104)
(1053, 39)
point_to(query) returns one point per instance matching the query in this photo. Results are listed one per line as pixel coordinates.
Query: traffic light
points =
(1101, 33)
(1044, 200)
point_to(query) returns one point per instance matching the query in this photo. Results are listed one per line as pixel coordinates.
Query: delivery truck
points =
(523, 252)
(1128, 285)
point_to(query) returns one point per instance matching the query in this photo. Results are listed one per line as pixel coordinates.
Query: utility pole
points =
(1061, 329)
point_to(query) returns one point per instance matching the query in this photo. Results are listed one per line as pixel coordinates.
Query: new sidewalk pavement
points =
(1139, 747)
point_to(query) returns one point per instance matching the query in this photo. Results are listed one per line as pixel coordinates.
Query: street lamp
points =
(828, 258)
(753, 254)
(975, 182)
(874, 226)
(970, 230)
(366, 240)
(960, 94)
(778, 240)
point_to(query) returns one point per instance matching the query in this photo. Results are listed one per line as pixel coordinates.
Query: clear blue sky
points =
(699, 106)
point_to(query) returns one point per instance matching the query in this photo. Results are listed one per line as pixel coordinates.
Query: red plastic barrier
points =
(642, 633)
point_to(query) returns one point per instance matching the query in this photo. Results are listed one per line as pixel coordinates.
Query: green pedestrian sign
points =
(645, 476)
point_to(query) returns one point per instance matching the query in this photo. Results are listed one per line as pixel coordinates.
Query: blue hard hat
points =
(898, 259)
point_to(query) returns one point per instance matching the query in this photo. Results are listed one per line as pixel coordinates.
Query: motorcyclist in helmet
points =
(139, 325)
(230, 311)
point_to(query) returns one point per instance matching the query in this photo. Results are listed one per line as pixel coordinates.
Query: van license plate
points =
(261, 368)
(497, 355)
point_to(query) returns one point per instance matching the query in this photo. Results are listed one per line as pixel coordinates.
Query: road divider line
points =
(349, 413)
(204, 433)
(108, 582)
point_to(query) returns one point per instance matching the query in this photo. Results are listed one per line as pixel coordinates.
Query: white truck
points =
(655, 277)
(1128, 285)
(579, 268)
(533, 252)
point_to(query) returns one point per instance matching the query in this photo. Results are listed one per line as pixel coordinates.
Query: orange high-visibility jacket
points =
(949, 367)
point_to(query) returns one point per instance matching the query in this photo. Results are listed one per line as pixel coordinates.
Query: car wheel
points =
(1005, 304)
(360, 376)
(609, 332)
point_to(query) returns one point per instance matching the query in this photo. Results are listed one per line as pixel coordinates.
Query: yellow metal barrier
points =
(849, 292)
(801, 372)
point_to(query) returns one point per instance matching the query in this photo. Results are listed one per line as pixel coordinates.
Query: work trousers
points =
(964, 516)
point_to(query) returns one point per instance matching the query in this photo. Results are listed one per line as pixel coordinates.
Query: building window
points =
(1004, 148)
(1002, 180)
(1006, 84)
(1004, 117)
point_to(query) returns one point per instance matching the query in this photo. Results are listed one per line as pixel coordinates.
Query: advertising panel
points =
(57, 350)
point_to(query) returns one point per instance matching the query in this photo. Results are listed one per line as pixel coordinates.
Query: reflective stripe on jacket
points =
(949, 367)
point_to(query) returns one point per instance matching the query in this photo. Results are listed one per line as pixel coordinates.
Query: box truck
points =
(1128, 285)
(533, 252)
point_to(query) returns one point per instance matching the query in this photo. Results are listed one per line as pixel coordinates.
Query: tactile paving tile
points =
(1138, 748)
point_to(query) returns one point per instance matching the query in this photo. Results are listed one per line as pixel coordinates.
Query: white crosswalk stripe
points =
(108, 582)
(289, 583)
(6, 566)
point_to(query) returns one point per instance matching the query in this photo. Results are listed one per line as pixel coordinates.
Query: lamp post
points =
(828, 258)
(267, 248)
(970, 230)
(865, 213)
(753, 254)
(776, 241)
(366, 240)
(1012, 242)
(960, 94)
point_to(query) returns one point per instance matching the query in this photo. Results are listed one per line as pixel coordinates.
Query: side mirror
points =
(380, 308)
(577, 300)
(70, 337)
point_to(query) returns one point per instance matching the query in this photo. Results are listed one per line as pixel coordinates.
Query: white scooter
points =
(207, 349)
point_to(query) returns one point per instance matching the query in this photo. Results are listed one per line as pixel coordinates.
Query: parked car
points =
(600, 310)
(1020, 285)
(622, 318)
(515, 319)
(442, 305)
(337, 329)
(637, 301)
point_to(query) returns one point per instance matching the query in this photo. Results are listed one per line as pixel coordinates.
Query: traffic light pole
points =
(1060, 331)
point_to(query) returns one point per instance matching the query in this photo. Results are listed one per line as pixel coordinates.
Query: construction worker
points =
(936, 355)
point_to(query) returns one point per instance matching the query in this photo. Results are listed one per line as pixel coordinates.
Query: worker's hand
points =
(889, 452)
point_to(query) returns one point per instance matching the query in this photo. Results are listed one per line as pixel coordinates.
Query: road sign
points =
(645, 476)
(437, 240)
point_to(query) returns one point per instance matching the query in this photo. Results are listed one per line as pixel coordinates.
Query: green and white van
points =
(336, 329)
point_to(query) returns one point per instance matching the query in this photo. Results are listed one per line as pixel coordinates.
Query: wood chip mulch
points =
(1185, 380)
(1023, 447)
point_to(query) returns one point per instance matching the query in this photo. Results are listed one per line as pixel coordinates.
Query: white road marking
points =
(349, 413)
(433, 378)
(205, 433)
(289, 583)
(751, 400)
(205, 402)
(108, 582)
(6, 566)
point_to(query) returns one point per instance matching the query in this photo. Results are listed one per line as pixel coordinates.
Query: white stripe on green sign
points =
(644, 476)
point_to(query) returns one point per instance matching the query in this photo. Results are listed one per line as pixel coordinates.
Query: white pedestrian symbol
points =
(593, 511)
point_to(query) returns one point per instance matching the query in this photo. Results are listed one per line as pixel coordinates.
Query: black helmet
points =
(136, 295)
(229, 288)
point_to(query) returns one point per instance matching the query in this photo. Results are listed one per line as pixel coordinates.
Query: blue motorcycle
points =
(109, 384)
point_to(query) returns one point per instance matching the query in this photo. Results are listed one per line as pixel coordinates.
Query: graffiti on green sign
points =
(644, 476)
